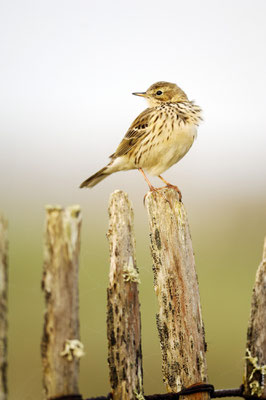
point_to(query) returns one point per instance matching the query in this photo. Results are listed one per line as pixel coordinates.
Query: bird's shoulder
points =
(138, 130)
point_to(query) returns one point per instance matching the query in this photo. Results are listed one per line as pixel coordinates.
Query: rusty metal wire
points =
(238, 392)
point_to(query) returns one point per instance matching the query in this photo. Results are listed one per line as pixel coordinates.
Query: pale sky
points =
(68, 69)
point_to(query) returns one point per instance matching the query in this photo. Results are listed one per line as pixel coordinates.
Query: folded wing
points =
(138, 131)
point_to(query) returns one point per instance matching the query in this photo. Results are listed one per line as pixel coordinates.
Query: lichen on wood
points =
(60, 285)
(255, 360)
(3, 307)
(179, 320)
(123, 307)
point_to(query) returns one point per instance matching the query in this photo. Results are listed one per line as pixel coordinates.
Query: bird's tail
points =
(96, 178)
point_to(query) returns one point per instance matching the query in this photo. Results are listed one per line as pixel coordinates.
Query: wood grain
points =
(60, 343)
(123, 316)
(179, 319)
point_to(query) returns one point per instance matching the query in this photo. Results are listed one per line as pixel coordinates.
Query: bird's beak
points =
(142, 94)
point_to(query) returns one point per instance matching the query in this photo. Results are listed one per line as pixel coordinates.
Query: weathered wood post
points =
(3, 307)
(179, 320)
(61, 348)
(255, 366)
(123, 308)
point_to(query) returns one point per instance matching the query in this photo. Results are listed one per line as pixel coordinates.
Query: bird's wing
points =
(138, 130)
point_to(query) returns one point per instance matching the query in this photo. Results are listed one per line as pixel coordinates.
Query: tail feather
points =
(96, 178)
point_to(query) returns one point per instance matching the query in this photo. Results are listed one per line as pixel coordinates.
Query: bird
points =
(158, 138)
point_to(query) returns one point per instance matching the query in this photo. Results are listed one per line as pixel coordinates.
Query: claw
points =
(169, 185)
(153, 189)
(157, 190)
(176, 189)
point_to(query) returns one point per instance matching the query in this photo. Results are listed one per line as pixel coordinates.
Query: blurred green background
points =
(67, 72)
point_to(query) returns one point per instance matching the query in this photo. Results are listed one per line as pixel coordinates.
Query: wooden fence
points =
(179, 320)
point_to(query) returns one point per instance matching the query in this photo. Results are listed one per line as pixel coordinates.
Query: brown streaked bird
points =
(158, 138)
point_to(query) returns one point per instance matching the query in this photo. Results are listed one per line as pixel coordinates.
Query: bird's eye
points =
(159, 92)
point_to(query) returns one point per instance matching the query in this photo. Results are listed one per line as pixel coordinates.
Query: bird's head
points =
(162, 92)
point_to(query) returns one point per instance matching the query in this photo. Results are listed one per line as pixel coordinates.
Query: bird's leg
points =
(152, 188)
(171, 186)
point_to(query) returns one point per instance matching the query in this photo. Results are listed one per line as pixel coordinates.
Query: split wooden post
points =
(179, 320)
(61, 348)
(3, 307)
(123, 309)
(255, 366)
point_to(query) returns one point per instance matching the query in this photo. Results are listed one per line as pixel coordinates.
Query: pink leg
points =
(152, 188)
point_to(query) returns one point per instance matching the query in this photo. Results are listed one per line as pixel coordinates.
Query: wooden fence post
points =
(61, 348)
(255, 368)
(3, 307)
(179, 320)
(123, 309)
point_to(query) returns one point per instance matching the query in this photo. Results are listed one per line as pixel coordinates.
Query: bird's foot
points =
(176, 189)
(168, 185)
(156, 190)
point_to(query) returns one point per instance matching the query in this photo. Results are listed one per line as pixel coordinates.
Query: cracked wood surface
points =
(179, 320)
(60, 286)
(123, 308)
(255, 368)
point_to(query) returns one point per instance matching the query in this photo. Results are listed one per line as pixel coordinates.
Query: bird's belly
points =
(169, 149)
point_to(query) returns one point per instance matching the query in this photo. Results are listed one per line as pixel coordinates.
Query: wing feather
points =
(138, 130)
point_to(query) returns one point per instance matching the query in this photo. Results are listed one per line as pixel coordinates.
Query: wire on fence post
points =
(255, 365)
(123, 307)
(179, 319)
(61, 348)
(3, 307)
